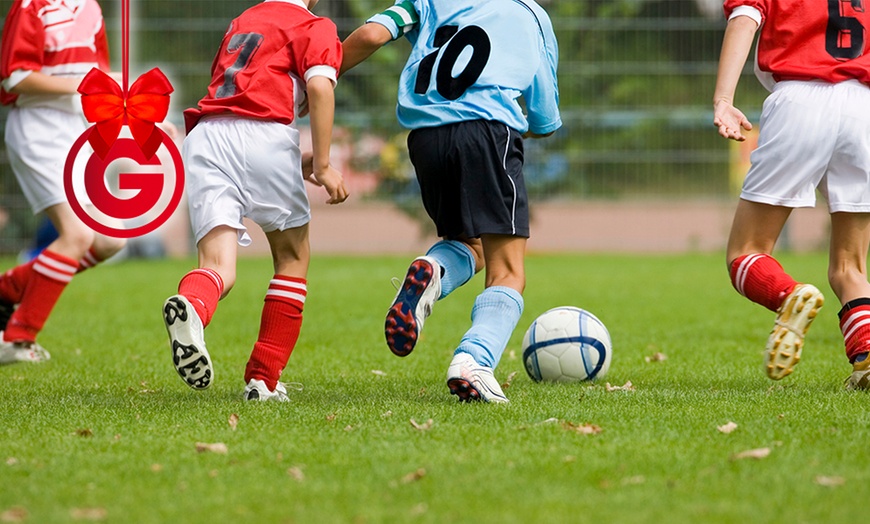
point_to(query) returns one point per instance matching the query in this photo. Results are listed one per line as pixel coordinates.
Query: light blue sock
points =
(493, 319)
(457, 260)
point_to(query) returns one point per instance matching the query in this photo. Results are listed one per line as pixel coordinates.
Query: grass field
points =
(107, 431)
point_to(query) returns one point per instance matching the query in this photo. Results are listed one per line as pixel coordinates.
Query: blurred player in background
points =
(47, 48)
(243, 160)
(470, 62)
(815, 134)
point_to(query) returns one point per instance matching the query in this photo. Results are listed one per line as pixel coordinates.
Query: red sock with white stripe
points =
(203, 288)
(761, 279)
(14, 281)
(855, 326)
(279, 329)
(89, 260)
(50, 274)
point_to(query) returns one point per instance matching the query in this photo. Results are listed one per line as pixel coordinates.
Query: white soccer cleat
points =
(14, 352)
(186, 338)
(859, 380)
(257, 390)
(470, 381)
(413, 303)
(793, 319)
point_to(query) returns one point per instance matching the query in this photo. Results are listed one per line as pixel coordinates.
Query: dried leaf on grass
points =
(424, 426)
(88, 513)
(758, 453)
(414, 476)
(331, 417)
(628, 386)
(727, 428)
(156, 468)
(510, 378)
(388, 413)
(656, 357)
(584, 429)
(218, 447)
(84, 432)
(379, 373)
(233, 421)
(296, 473)
(11, 461)
(830, 482)
(14, 514)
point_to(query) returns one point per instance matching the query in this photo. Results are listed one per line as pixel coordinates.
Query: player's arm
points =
(321, 104)
(381, 28)
(36, 83)
(362, 43)
(542, 95)
(736, 45)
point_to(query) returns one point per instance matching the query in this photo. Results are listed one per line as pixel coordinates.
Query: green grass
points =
(107, 431)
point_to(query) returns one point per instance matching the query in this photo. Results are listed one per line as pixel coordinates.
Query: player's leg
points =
(847, 274)
(187, 313)
(494, 316)
(281, 320)
(43, 282)
(759, 277)
(446, 266)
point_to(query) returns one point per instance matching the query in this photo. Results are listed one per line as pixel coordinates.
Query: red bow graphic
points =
(146, 104)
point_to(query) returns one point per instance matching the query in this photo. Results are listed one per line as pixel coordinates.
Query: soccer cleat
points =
(257, 390)
(413, 303)
(186, 338)
(859, 380)
(14, 352)
(793, 319)
(470, 381)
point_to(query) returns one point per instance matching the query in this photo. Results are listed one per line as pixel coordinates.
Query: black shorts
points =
(471, 178)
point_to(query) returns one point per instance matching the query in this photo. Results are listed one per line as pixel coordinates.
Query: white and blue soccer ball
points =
(567, 344)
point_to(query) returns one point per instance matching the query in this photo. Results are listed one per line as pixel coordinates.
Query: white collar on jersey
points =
(300, 3)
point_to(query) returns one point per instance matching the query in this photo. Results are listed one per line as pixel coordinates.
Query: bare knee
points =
(105, 247)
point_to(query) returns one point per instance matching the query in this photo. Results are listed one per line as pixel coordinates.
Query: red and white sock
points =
(50, 274)
(203, 288)
(761, 279)
(89, 260)
(279, 329)
(855, 326)
(14, 281)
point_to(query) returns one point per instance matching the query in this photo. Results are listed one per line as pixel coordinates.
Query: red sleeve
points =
(317, 46)
(23, 41)
(731, 5)
(102, 45)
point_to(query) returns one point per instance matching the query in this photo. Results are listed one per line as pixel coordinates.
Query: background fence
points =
(636, 80)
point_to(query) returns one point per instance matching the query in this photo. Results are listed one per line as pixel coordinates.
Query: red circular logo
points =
(143, 209)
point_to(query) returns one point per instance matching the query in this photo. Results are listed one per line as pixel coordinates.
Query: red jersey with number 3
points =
(812, 39)
(266, 52)
(55, 37)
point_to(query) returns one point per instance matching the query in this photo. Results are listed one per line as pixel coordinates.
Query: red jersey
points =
(812, 40)
(55, 37)
(266, 51)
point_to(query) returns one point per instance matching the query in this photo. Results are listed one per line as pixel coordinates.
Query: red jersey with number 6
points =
(812, 39)
(266, 56)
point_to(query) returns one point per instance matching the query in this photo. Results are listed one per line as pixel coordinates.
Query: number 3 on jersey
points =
(454, 42)
(844, 36)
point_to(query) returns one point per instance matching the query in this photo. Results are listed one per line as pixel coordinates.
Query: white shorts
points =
(813, 135)
(237, 167)
(38, 140)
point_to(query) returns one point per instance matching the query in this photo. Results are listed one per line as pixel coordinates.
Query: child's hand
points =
(331, 179)
(729, 120)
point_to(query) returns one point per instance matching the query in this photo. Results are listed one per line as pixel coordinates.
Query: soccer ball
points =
(566, 344)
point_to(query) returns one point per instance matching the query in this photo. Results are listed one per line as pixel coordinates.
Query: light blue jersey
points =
(472, 60)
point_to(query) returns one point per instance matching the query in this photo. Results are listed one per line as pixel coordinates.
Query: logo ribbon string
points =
(110, 106)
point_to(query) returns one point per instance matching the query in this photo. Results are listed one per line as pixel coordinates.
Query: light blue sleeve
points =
(542, 96)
